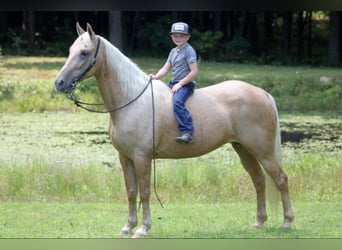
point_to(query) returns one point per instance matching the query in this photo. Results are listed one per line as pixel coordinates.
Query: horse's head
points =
(81, 59)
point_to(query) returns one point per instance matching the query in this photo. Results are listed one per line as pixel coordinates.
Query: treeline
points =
(285, 37)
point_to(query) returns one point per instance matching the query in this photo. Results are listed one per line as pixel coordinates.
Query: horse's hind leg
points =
(253, 168)
(131, 188)
(274, 170)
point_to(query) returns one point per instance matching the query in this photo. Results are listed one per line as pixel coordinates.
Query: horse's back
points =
(239, 111)
(233, 96)
(233, 88)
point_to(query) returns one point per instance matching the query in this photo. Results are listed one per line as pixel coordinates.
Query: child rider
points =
(183, 61)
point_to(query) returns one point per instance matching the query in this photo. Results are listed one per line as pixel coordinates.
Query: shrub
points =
(6, 91)
(205, 42)
(154, 36)
(238, 50)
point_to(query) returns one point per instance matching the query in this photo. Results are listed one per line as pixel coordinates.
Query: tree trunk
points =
(268, 27)
(287, 25)
(115, 28)
(335, 36)
(309, 19)
(3, 25)
(300, 37)
(251, 30)
(31, 28)
(268, 34)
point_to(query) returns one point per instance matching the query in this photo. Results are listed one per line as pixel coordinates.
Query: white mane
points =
(126, 73)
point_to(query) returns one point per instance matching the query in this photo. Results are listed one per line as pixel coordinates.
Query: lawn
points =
(60, 178)
(176, 221)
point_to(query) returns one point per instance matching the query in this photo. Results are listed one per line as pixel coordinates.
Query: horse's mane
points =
(130, 76)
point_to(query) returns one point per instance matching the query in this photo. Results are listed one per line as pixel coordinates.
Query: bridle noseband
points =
(73, 86)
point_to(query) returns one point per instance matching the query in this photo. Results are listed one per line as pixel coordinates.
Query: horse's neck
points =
(119, 79)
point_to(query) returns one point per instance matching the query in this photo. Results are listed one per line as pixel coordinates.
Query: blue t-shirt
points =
(180, 60)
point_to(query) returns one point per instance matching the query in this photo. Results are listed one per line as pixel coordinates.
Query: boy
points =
(183, 61)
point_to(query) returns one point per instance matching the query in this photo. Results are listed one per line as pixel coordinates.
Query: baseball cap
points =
(180, 27)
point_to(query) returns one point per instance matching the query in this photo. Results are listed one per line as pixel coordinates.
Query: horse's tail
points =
(277, 141)
(272, 191)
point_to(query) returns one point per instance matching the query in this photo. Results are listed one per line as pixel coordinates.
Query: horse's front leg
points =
(143, 173)
(131, 188)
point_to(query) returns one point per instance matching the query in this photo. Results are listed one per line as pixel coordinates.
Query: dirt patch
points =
(313, 136)
(296, 136)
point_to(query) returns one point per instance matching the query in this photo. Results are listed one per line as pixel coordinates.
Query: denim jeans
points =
(182, 115)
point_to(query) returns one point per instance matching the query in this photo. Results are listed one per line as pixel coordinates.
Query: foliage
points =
(58, 46)
(238, 50)
(154, 37)
(204, 42)
(304, 94)
(145, 33)
(7, 91)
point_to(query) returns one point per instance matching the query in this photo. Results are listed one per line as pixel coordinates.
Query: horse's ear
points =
(79, 29)
(90, 31)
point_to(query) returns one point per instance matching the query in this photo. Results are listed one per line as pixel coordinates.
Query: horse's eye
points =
(84, 53)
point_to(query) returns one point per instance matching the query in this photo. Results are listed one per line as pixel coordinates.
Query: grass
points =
(61, 179)
(26, 83)
(195, 221)
(68, 157)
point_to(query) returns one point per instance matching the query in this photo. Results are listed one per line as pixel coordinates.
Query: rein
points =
(81, 104)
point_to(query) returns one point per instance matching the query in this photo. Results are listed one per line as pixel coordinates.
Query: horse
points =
(232, 111)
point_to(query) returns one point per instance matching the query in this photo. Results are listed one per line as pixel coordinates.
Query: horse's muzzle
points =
(62, 86)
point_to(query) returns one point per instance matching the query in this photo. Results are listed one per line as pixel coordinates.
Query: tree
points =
(335, 36)
(309, 21)
(115, 28)
(250, 30)
(300, 36)
(287, 26)
(3, 25)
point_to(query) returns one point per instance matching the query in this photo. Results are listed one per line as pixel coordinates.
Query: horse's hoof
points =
(286, 225)
(257, 224)
(126, 231)
(140, 233)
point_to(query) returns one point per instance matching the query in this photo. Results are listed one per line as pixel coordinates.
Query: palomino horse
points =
(231, 111)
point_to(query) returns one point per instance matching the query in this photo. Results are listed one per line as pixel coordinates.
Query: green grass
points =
(27, 83)
(204, 221)
(60, 178)
(68, 157)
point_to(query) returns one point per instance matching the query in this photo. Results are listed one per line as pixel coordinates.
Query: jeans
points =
(182, 115)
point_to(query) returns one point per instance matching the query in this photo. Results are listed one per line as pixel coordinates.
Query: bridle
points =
(80, 77)
(90, 65)
(81, 104)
